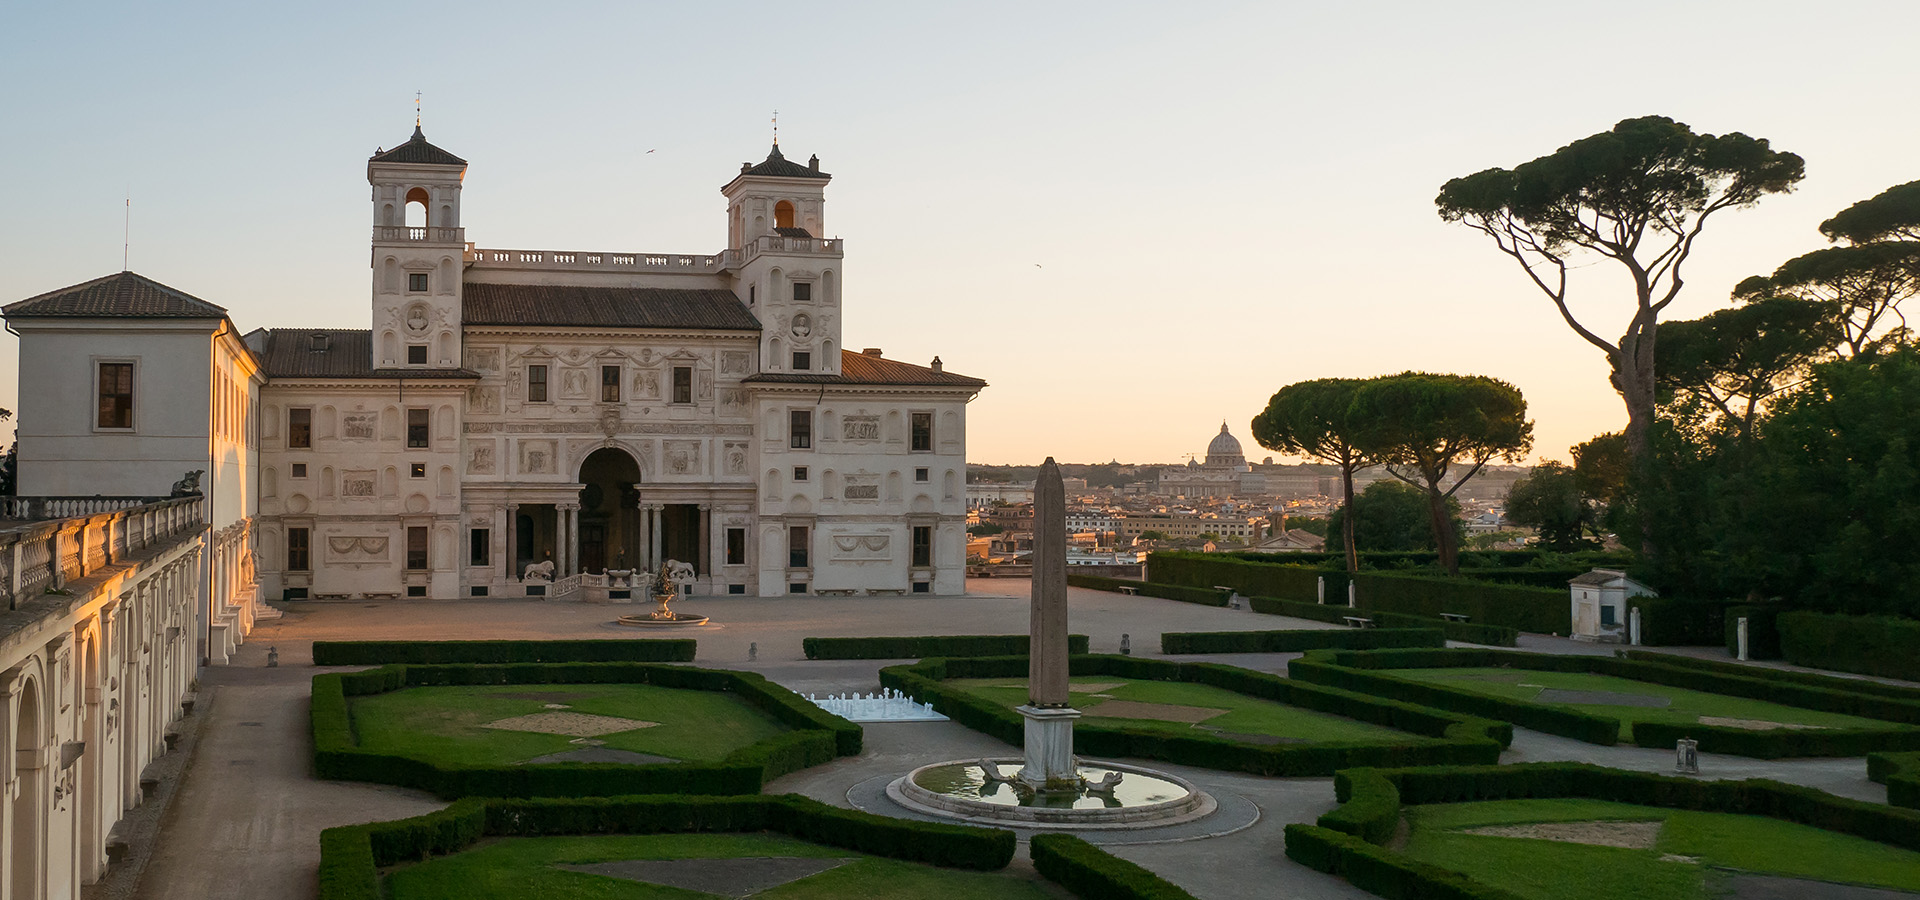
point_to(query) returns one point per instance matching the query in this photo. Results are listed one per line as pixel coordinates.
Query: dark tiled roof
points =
(779, 166)
(793, 232)
(612, 307)
(860, 368)
(346, 353)
(122, 294)
(417, 150)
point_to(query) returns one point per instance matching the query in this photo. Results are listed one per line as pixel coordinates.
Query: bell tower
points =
(418, 255)
(788, 271)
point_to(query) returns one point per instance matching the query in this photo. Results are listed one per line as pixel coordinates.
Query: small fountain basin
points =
(1144, 798)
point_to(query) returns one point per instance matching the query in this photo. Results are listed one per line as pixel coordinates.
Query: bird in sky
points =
(649, 151)
(1038, 266)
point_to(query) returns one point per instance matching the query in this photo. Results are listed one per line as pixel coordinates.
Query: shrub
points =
(1525, 608)
(1369, 805)
(1865, 645)
(1207, 596)
(1900, 772)
(379, 653)
(1444, 738)
(1464, 632)
(1763, 633)
(1296, 641)
(818, 736)
(1089, 871)
(1839, 683)
(1667, 622)
(1369, 672)
(922, 647)
(1381, 871)
(351, 856)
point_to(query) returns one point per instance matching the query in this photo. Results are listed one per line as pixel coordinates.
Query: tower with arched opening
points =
(789, 269)
(418, 255)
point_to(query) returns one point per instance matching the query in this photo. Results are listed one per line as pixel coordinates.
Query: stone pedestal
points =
(1049, 750)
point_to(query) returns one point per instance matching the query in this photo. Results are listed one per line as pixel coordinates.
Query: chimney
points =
(814, 163)
(871, 351)
(936, 364)
(744, 167)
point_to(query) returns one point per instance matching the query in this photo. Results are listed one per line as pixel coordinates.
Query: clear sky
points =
(1135, 220)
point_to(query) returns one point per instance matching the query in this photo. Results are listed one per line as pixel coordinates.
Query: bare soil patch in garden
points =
(1630, 835)
(1163, 712)
(571, 724)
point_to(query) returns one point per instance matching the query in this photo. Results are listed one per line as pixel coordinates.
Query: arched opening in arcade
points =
(27, 860)
(610, 535)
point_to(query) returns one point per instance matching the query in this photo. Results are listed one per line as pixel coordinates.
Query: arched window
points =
(783, 214)
(417, 200)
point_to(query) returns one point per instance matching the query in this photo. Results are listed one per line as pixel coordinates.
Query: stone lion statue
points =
(677, 572)
(540, 571)
(189, 484)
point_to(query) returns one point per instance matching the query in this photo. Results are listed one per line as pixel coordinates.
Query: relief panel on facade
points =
(861, 429)
(734, 362)
(358, 483)
(736, 455)
(480, 459)
(485, 361)
(484, 399)
(574, 384)
(861, 487)
(682, 457)
(861, 547)
(646, 384)
(359, 426)
(536, 457)
(355, 551)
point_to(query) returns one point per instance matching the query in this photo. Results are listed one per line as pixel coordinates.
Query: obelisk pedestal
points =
(1049, 733)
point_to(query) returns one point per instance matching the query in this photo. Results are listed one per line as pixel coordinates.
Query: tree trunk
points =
(1633, 377)
(1346, 518)
(1442, 529)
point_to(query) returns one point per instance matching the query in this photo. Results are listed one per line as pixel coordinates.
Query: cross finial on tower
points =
(416, 109)
(776, 128)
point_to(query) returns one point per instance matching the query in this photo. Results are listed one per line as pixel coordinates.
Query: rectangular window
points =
(299, 470)
(800, 429)
(417, 470)
(298, 555)
(416, 548)
(923, 545)
(797, 547)
(417, 422)
(683, 384)
(922, 432)
(417, 282)
(920, 475)
(416, 354)
(1607, 616)
(480, 547)
(300, 429)
(802, 360)
(802, 292)
(537, 384)
(799, 473)
(609, 384)
(116, 395)
(736, 546)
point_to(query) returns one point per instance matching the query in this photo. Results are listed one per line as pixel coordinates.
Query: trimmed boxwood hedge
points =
(1296, 641)
(1763, 632)
(922, 647)
(380, 653)
(1865, 645)
(1368, 671)
(1841, 683)
(1346, 840)
(1900, 772)
(1668, 622)
(1205, 596)
(1464, 632)
(1091, 872)
(818, 736)
(351, 856)
(1443, 737)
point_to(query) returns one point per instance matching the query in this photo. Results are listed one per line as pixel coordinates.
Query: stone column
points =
(513, 541)
(705, 539)
(716, 548)
(562, 540)
(655, 511)
(1049, 729)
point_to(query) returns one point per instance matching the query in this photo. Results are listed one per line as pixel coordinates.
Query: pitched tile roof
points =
(779, 166)
(613, 307)
(862, 368)
(793, 232)
(339, 353)
(417, 150)
(122, 294)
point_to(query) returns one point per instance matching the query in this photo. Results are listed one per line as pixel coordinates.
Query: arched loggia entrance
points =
(609, 511)
(27, 861)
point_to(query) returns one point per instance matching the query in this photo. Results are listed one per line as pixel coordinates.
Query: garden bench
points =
(835, 592)
(888, 592)
(1128, 590)
(381, 595)
(1358, 621)
(319, 596)
(1455, 617)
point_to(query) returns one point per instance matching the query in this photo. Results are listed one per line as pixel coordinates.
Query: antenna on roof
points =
(416, 109)
(126, 232)
(776, 128)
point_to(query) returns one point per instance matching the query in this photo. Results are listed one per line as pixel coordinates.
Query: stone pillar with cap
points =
(1048, 713)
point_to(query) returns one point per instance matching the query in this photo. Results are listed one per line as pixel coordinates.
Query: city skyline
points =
(1146, 225)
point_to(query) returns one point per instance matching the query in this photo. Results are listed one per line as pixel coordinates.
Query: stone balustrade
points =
(595, 260)
(81, 535)
(435, 235)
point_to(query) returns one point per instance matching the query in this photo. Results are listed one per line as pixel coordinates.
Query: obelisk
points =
(1049, 733)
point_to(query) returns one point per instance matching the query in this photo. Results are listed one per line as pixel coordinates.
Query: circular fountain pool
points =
(961, 789)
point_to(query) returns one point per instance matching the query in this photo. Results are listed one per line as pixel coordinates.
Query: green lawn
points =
(1245, 715)
(524, 867)
(1555, 870)
(444, 723)
(1686, 707)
